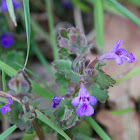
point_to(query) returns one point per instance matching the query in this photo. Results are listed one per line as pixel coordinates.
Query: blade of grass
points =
(4, 82)
(36, 88)
(97, 128)
(27, 24)
(123, 10)
(128, 76)
(51, 28)
(122, 111)
(43, 60)
(11, 11)
(6, 133)
(98, 22)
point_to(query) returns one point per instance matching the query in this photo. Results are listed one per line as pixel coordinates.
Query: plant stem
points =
(38, 130)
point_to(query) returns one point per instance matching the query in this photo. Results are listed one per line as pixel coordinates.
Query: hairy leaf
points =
(102, 79)
(64, 66)
(100, 95)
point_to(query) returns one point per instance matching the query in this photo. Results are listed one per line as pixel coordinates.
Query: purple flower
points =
(66, 4)
(3, 6)
(84, 100)
(118, 54)
(6, 107)
(7, 40)
(56, 101)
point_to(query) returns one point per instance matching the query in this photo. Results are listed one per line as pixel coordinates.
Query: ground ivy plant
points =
(72, 74)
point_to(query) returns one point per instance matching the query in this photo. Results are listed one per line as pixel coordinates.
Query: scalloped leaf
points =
(102, 79)
(100, 95)
(64, 66)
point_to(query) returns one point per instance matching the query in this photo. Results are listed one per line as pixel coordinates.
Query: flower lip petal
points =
(92, 100)
(80, 111)
(129, 58)
(119, 60)
(75, 101)
(89, 110)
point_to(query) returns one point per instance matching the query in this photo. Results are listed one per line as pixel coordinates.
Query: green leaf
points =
(116, 5)
(16, 109)
(4, 82)
(83, 128)
(63, 32)
(36, 88)
(64, 53)
(64, 66)
(102, 79)
(61, 80)
(13, 57)
(11, 11)
(97, 128)
(6, 133)
(27, 24)
(100, 95)
(65, 117)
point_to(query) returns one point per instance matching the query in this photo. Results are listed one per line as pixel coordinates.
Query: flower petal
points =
(8, 109)
(3, 110)
(117, 45)
(92, 100)
(75, 101)
(80, 110)
(119, 60)
(129, 58)
(89, 110)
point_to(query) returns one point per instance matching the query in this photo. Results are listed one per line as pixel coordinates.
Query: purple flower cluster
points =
(84, 100)
(7, 40)
(4, 8)
(6, 107)
(118, 54)
(56, 101)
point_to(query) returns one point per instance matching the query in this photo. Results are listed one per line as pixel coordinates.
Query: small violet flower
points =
(84, 100)
(66, 4)
(118, 54)
(3, 6)
(7, 40)
(56, 101)
(6, 107)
